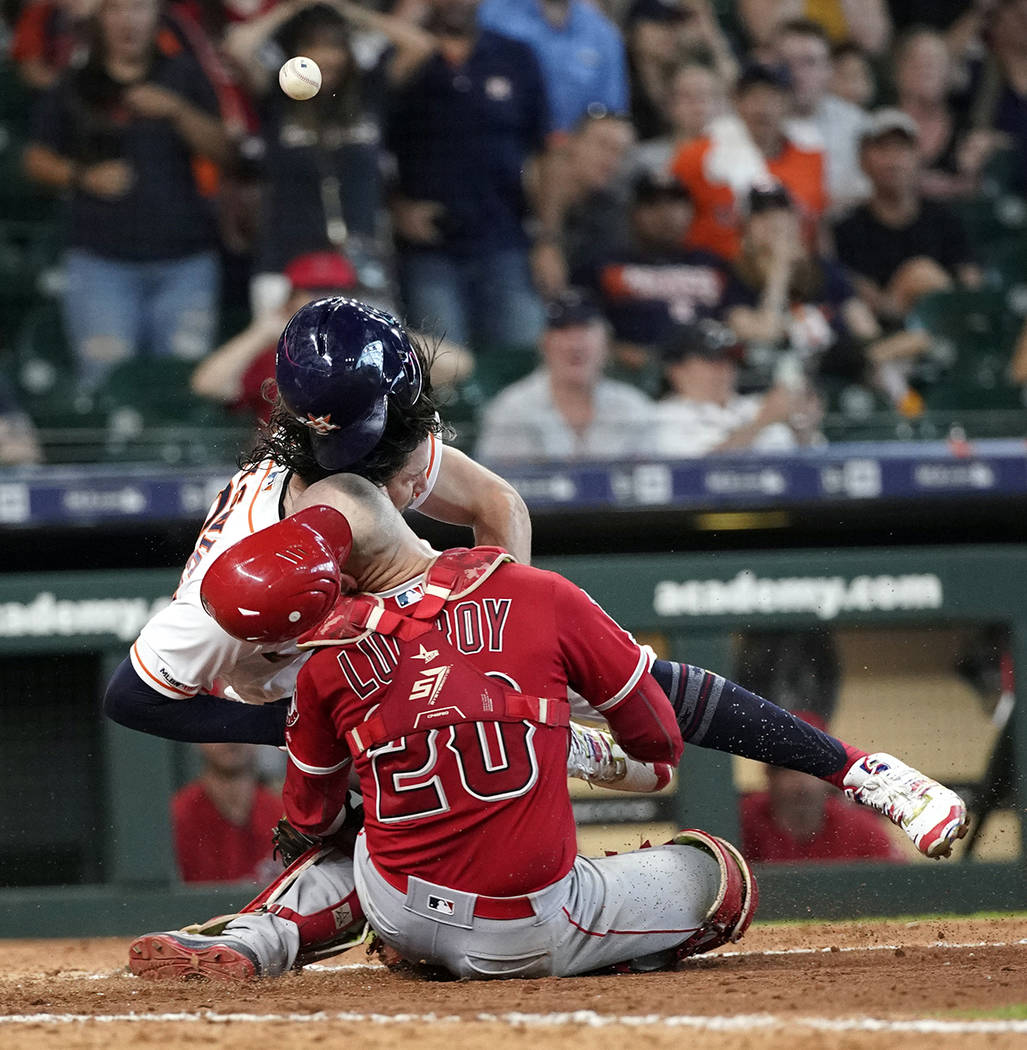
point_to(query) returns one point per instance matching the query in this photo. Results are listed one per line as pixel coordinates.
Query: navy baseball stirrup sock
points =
(716, 713)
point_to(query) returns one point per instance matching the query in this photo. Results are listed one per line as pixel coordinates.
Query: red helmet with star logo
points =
(276, 584)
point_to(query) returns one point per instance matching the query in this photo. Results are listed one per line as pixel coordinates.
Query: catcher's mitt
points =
(289, 843)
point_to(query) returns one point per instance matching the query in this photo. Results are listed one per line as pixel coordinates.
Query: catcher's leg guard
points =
(330, 929)
(730, 914)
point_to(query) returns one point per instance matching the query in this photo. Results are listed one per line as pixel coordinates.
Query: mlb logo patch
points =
(441, 905)
(415, 594)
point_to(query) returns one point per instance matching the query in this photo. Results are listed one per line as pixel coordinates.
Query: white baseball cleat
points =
(931, 814)
(594, 756)
(597, 758)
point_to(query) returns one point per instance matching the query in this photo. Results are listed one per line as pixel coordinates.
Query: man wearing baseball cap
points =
(704, 412)
(898, 245)
(652, 283)
(567, 409)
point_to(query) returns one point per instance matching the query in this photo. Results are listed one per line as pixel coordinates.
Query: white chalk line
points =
(944, 945)
(579, 1018)
(861, 948)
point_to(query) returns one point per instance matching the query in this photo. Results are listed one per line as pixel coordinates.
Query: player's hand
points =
(154, 102)
(548, 268)
(417, 221)
(109, 179)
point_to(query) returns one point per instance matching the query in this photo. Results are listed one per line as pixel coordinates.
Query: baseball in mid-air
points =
(300, 78)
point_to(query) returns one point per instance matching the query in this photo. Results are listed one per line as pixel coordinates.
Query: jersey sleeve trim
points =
(644, 660)
(432, 473)
(154, 681)
(318, 771)
(335, 824)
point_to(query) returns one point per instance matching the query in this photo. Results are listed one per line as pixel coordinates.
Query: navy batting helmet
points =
(339, 362)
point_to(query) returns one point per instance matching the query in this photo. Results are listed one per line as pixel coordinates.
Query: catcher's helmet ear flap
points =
(278, 583)
(339, 363)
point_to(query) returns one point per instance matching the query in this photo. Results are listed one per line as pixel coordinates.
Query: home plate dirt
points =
(959, 983)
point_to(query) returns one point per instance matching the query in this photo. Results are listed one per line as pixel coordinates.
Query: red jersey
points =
(848, 833)
(446, 804)
(210, 848)
(251, 397)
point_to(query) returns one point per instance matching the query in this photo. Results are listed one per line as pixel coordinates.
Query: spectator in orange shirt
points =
(744, 149)
(223, 819)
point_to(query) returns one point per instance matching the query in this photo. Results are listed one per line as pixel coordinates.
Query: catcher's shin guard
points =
(732, 911)
(326, 932)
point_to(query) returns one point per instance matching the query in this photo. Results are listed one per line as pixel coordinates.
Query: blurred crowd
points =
(640, 227)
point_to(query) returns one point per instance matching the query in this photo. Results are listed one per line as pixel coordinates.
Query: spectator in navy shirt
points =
(323, 156)
(580, 52)
(651, 285)
(463, 128)
(131, 136)
(898, 245)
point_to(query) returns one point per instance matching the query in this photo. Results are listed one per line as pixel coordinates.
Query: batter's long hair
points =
(284, 439)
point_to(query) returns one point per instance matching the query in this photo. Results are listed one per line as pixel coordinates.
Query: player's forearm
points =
(130, 702)
(645, 725)
(466, 493)
(315, 805)
(506, 523)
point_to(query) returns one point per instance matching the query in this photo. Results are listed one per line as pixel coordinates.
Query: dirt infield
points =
(835, 986)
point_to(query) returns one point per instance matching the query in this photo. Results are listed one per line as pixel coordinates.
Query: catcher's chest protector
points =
(434, 685)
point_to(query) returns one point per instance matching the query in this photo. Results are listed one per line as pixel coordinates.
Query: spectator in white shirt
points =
(567, 409)
(820, 118)
(704, 413)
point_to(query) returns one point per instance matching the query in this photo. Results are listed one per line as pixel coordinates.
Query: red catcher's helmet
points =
(279, 582)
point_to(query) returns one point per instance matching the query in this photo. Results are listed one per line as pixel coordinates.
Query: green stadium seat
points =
(153, 415)
(494, 369)
(15, 97)
(498, 367)
(973, 333)
(18, 195)
(994, 220)
(648, 378)
(158, 389)
(1008, 263)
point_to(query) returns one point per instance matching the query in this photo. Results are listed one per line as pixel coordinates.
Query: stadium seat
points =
(1008, 266)
(20, 197)
(494, 369)
(972, 339)
(151, 413)
(993, 220)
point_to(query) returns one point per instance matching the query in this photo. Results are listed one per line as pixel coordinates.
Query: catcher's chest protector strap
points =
(452, 575)
(445, 690)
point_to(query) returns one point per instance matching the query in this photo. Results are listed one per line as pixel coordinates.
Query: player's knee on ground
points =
(733, 909)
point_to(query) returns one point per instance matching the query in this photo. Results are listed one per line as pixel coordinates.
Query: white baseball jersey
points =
(182, 651)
